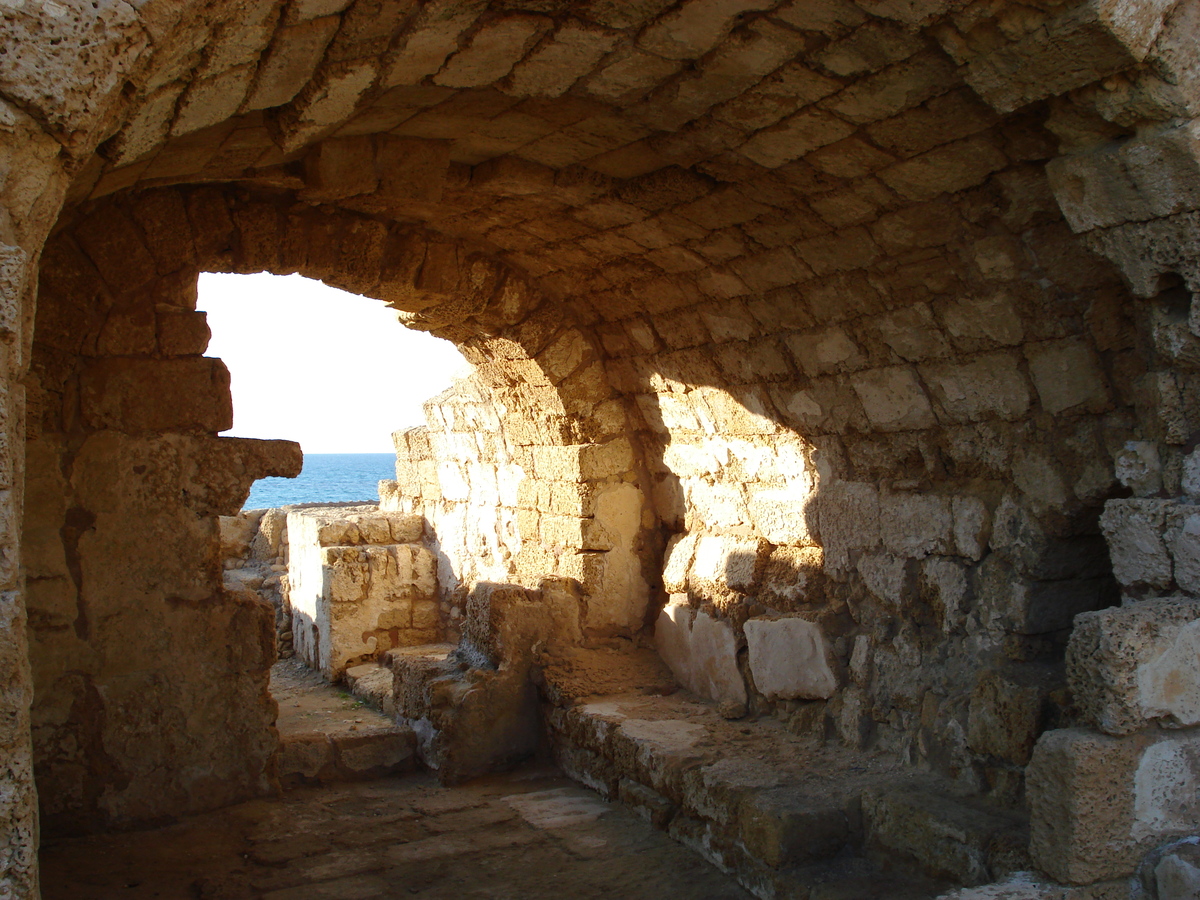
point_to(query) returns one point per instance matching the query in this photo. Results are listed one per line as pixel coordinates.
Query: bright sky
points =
(330, 369)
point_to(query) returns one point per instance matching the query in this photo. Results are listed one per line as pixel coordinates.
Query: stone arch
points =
(123, 409)
(682, 144)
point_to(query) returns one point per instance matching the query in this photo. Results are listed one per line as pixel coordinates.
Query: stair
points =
(789, 816)
(961, 839)
(327, 736)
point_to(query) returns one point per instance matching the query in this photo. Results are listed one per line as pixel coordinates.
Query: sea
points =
(326, 478)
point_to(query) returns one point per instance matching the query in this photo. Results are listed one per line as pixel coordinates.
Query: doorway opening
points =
(334, 371)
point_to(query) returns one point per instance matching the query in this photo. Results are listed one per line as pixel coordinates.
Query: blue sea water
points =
(326, 477)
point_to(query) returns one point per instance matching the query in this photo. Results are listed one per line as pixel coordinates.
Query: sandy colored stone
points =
(700, 650)
(1135, 664)
(1099, 803)
(790, 658)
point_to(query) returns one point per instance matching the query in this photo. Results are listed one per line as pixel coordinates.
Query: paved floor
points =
(529, 835)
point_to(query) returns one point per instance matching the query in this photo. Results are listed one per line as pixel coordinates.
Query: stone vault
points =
(874, 316)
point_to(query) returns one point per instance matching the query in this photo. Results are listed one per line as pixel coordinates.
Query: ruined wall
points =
(819, 231)
(117, 313)
(150, 679)
(506, 504)
(911, 448)
(360, 582)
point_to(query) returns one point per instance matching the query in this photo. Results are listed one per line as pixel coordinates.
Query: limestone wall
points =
(507, 504)
(844, 259)
(150, 677)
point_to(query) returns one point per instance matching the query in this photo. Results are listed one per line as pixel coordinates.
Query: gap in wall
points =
(332, 370)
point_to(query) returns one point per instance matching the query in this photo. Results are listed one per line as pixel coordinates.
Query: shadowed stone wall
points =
(824, 265)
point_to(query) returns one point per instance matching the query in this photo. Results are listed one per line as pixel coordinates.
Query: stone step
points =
(327, 736)
(372, 683)
(958, 838)
(352, 755)
(784, 813)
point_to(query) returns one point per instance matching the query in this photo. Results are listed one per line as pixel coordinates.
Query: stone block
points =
(190, 394)
(800, 134)
(1135, 530)
(411, 169)
(848, 520)
(988, 386)
(725, 561)
(701, 651)
(210, 101)
(1146, 177)
(972, 526)
(695, 27)
(1067, 376)
(1080, 45)
(784, 827)
(790, 658)
(884, 575)
(373, 754)
(1190, 480)
(182, 332)
(784, 515)
(1182, 539)
(1098, 803)
(825, 351)
(303, 757)
(551, 69)
(1177, 874)
(1131, 665)
(947, 169)
(946, 837)
(340, 167)
(1139, 468)
(915, 525)
(677, 562)
(493, 51)
(893, 399)
(1005, 715)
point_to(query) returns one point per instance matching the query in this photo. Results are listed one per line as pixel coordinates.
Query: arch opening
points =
(870, 237)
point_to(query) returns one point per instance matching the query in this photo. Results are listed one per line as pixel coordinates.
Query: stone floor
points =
(531, 834)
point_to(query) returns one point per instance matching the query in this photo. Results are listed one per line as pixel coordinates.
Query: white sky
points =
(330, 369)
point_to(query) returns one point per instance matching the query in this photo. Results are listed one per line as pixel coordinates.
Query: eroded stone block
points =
(1134, 664)
(790, 658)
(700, 650)
(1099, 803)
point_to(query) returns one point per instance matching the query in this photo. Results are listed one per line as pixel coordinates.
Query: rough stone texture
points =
(796, 280)
(701, 651)
(1177, 874)
(1137, 664)
(474, 707)
(790, 659)
(1099, 803)
(407, 834)
(359, 585)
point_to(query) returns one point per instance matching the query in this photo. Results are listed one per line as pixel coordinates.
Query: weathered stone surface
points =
(356, 593)
(1098, 803)
(1135, 531)
(700, 650)
(1135, 664)
(1177, 874)
(837, 286)
(945, 837)
(790, 659)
